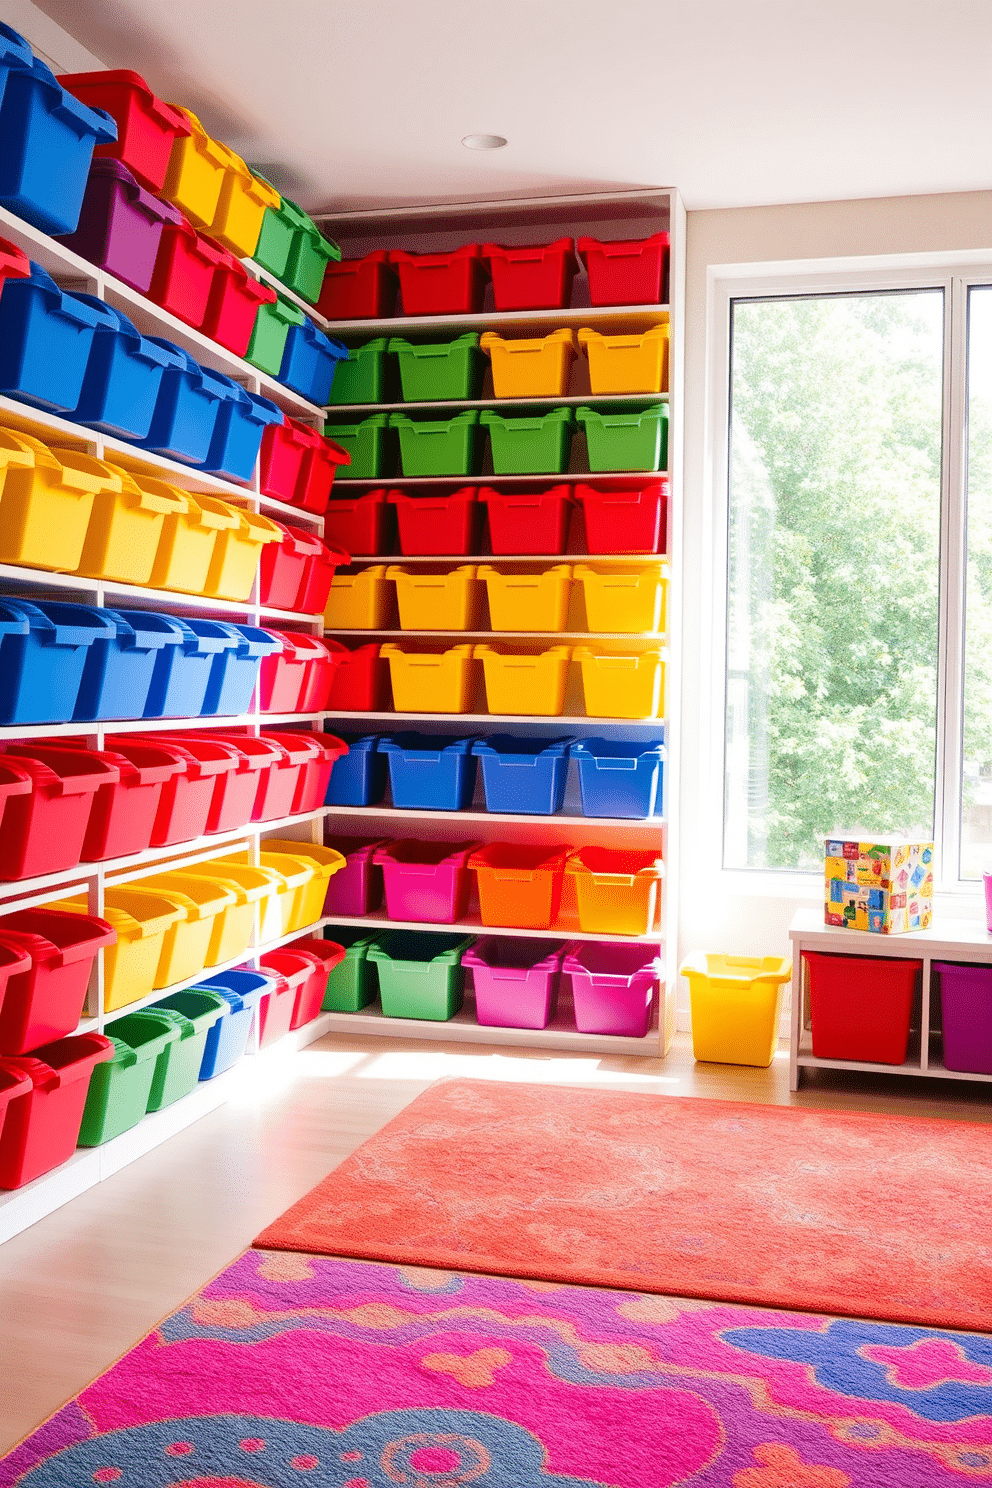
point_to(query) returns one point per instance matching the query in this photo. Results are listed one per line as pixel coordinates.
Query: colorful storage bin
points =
(222, 910)
(520, 884)
(528, 522)
(420, 975)
(260, 885)
(965, 994)
(310, 253)
(177, 1068)
(285, 566)
(433, 372)
(523, 776)
(121, 225)
(187, 940)
(620, 777)
(186, 271)
(357, 888)
(359, 289)
(531, 278)
(141, 921)
(623, 686)
(625, 519)
(627, 364)
(363, 377)
(188, 547)
(625, 599)
(351, 985)
(286, 462)
(437, 601)
(626, 441)
(233, 305)
(273, 322)
(515, 981)
(430, 681)
(430, 772)
(123, 379)
(188, 406)
(441, 283)
(361, 682)
(46, 501)
(43, 651)
(117, 1097)
(528, 601)
(358, 601)
(426, 881)
(618, 889)
(146, 127)
(46, 337)
(227, 1040)
(359, 779)
(324, 862)
(237, 434)
(529, 446)
(367, 444)
(124, 814)
(631, 272)
(861, 1006)
(535, 368)
(325, 956)
(736, 1001)
(438, 447)
(241, 206)
(613, 987)
(48, 958)
(44, 828)
(445, 522)
(237, 553)
(181, 675)
(358, 526)
(309, 362)
(195, 172)
(42, 1123)
(275, 1011)
(530, 683)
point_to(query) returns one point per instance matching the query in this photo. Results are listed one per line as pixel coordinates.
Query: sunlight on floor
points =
(400, 1064)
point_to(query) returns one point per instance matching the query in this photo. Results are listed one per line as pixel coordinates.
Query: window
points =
(858, 685)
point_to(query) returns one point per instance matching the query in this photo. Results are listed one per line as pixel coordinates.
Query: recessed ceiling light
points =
(484, 142)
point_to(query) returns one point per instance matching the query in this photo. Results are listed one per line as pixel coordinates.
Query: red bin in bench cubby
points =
(44, 996)
(438, 525)
(359, 288)
(287, 973)
(147, 128)
(625, 273)
(361, 682)
(528, 522)
(426, 881)
(42, 1127)
(44, 830)
(360, 526)
(536, 278)
(233, 305)
(325, 954)
(441, 283)
(625, 519)
(861, 1006)
(185, 270)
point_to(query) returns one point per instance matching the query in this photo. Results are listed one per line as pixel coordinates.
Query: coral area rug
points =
(873, 1216)
(290, 1370)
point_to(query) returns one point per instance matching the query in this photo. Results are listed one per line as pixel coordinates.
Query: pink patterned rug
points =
(295, 1371)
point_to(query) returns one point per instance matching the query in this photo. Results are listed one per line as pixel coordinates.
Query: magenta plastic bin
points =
(966, 1013)
(516, 982)
(356, 889)
(120, 226)
(427, 881)
(613, 986)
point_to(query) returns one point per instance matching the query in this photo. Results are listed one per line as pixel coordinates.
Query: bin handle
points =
(41, 1075)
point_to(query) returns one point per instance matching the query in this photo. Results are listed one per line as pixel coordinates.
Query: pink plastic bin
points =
(612, 986)
(356, 889)
(516, 986)
(427, 881)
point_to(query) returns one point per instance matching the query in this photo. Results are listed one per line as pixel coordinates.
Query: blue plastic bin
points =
(14, 53)
(620, 777)
(47, 139)
(310, 361)
(182, 673)
(237, 436)
(523, 775)
(123, 376)
(227, 1040)
(359, 777)
(119, 670)
(234, 672)
(430, 772)
(46, 339)
(189, 404)
(43, 650)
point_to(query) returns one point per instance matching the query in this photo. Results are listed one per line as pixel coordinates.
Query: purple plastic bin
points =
(427, 881)
(356, 889)
(966, 1013)
(120, 226)
(516, 986)
(612, 986)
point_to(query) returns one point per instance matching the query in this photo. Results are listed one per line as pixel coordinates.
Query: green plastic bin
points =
(268, 337)
(448, 447)
(362, 378)
(626, 441)
(284, 248)
(352, 983)
(440, 370)
(118, 1091)
(177, 1071)
(420, 975)
(308, 258)
(366, 443)
(530, 446)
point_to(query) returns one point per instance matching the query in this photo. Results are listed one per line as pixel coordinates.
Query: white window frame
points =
(954, 273)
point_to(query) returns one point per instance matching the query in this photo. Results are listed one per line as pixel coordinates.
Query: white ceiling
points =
(735, 102)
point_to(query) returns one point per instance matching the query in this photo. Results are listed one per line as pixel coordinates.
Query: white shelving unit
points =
(439, 229)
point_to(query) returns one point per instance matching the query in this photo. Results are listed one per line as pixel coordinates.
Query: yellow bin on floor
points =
(430, 681)
(324, 861)
(625, 599)
(189, 538)
(358, 601)
(262, 886)
(535, 368)
(237, 553)
(525, 682)
(215, 904)
(528, 601)
(142, 921)
(623, 686)
(448, 601)
(241, 206)
(197, 169)
(125, 528)
(736, 1002)
(627, 364)
(46, 502)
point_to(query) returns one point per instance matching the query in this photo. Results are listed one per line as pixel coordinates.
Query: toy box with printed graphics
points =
(882, 886)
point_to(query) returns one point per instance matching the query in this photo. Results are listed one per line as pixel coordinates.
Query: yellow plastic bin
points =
(237, 554)
(186, 942)
(525, 682)
(736, 1002)
(296, 874)
(618, 890)
(125, 528)
(623, 686)
(233, 929)
(325, 862)
(241, 206)
(536, 368)
(47, 501)
(142, 921)
(358, 601)
(198, 166)
(625, 599)
(430, 681)
(262, 886)
(627, 364)
(528, 601)
(186, 547)
(214, 902)
(437, 601)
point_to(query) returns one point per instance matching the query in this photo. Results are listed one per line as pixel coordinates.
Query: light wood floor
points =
(82, 1286)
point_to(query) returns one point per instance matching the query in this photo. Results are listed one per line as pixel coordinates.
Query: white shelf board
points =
(463, 1029)
(545, 478)
(650, 637)
(453, 818)
(156, 599)
(544, 560)
(560, 720)
(634, 317)
(474, 926)
(153, 725)
(508, 405)
(946, 940)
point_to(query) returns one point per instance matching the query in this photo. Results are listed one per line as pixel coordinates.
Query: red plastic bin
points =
(147, 128)
(625, 519)
(534, 278)
(282, 675)
(275, 1011)
(326, 954)
(14, 1082)
(861, 1006)
(277, 776)
(441, 283)
(359, 288)
(185, 270)
(13, 263)
(235, 779)
(361, 682)
(326, 458)
(44, 999)
(42, 1126)
(528, 522)
(631, 272)
(14, 961)
(44, 829)
(359, 526)
(184, 805)
(325, 658)
(297, 465)
(284, 566)
(438, 524)
(426, 881)
(323, 752)
(317, 581)
(233, 305)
